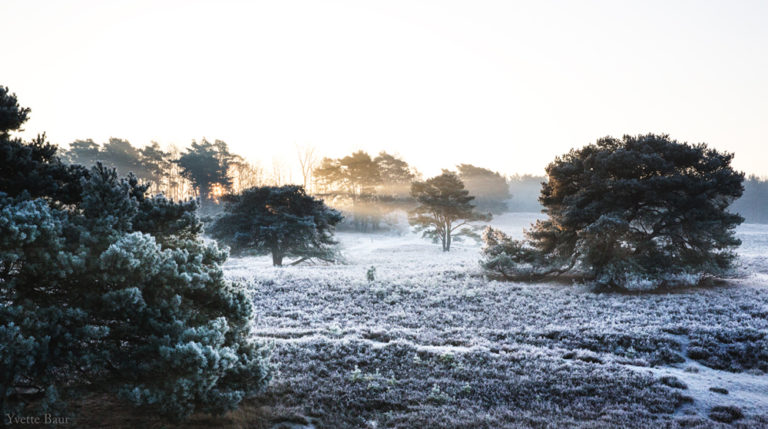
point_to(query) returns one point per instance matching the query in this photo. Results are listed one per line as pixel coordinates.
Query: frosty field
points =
(432, 343)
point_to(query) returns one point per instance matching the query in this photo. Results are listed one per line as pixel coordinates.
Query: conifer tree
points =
(444, 212)
(640, 211)
(206, 165)
(105, 290)
(279, 220)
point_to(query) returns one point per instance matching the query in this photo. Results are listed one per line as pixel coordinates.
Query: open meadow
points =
(384, 214)
(430, 342)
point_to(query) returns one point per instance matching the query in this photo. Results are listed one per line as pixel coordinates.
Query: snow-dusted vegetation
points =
(431, 342)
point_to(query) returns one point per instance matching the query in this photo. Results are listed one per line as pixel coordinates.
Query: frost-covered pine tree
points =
(107, 290)
(637, 212)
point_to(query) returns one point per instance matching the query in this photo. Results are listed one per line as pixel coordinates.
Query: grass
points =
(430, 342)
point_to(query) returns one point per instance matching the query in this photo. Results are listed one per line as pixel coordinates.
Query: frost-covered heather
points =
(430, 342)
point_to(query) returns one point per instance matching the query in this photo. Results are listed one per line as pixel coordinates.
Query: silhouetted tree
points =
(365, 187)
(359, 173)
(205, 164)
(395, 175)
(121, 155)
(638, 212)
(155, 165)
(280, 220)
(329, 177)
(32, 170)
(83, 152)
(178, 187)
(148, 164)
(444, 212)
(12, 116)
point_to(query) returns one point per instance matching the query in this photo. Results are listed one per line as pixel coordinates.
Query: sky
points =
(501, 84)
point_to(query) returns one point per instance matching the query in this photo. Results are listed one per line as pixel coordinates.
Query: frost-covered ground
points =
(431, 343)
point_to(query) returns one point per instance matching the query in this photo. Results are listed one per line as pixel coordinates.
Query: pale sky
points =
(505, 85)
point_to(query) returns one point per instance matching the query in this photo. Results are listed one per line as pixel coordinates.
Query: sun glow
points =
(217, 191)
(517, 83)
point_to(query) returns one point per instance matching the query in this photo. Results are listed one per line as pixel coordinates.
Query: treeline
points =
(205, 169)
(753, 205)
(370, 190)
(367, 189)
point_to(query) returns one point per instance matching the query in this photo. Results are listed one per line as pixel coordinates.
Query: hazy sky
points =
(506, 85)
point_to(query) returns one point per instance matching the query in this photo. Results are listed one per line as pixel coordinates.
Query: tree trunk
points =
(447, 247)
(205, 190)
(277, 259)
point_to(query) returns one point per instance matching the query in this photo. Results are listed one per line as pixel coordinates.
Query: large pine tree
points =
(640, 211)
(279, 220)
(105, 290)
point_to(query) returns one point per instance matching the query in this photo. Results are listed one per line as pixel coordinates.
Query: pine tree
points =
(644, 211)
(12, 116)
(206, 165)
(83, 152)
(108, 291)
(395, 175)
(444, 212)
(280, 220)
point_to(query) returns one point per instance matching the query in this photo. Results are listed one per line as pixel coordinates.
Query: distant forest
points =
(368, 189)
(753, 205)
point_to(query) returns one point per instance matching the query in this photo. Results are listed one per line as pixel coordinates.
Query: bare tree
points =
(280, 174)
(244, 174)
(307, 162)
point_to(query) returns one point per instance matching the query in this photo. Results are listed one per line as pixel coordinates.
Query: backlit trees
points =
(641, 211)
(444, 210)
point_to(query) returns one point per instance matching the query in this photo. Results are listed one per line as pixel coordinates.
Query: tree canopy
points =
(395, 175)
(206, 165)
(12, 115)
(280, 220)
(107, 290)
(640, 211)
(444, 212)
(363, 186)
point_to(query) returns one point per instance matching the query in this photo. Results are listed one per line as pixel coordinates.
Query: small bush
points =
(673, 382)
(725, 413)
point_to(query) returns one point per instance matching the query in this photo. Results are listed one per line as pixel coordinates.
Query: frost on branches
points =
(106, 290)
